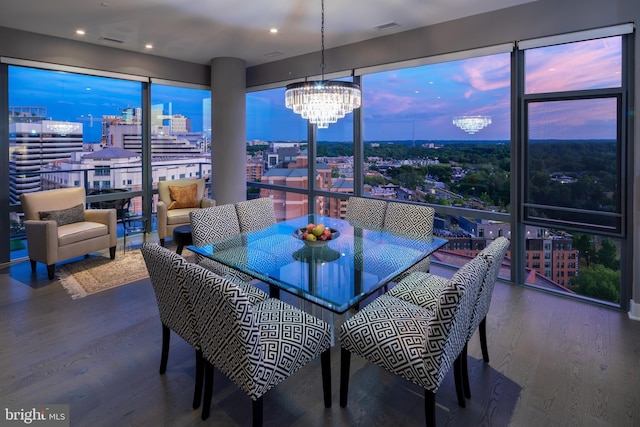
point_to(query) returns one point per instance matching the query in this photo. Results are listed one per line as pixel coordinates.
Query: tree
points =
(598, 282)
(407, 176)
(584, 244)
(608, 255)
(374, 180)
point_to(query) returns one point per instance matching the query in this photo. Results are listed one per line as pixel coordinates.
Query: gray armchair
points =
(58, 227)
(172, 215)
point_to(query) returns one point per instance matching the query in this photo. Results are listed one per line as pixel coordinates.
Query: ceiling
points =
(199, 30)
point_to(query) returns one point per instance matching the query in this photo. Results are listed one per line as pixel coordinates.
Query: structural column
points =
(228, 134)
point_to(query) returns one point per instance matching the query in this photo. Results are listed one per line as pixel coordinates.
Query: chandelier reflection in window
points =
(323, 102)
(472, 124)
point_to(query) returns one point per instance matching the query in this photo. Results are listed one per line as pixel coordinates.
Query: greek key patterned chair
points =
(255, 214)
(166, 270)
(366, 212)
(415, 220)
(255, 346)
(215, 223)
(423, 289)
(418, 344)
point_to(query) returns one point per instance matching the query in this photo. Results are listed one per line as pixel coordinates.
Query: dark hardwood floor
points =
(554, 362)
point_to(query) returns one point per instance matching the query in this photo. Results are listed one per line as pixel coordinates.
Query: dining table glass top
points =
(337, 275)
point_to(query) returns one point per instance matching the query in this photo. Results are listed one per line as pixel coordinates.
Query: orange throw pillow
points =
(184, 197)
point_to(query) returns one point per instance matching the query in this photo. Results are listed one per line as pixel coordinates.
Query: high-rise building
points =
(35, 141)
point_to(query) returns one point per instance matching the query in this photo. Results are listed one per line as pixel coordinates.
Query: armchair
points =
(176, 199)
(58, 227)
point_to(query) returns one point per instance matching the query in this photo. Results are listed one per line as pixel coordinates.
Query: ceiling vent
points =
(387, 26)
(110, 40)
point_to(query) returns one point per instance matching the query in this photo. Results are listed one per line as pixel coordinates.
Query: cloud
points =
(577, 66)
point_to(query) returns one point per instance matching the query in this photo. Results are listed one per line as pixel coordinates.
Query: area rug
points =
(99, 272)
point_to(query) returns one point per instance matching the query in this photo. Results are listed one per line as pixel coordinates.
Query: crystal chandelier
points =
(472, 124)
(325, 101)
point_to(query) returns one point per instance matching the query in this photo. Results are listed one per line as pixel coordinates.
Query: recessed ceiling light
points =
(80, 32)
(273, 30)
(148, 46)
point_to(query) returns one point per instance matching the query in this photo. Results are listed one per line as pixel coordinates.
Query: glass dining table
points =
(336, 276)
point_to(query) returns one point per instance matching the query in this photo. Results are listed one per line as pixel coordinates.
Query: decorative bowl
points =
(315, 243)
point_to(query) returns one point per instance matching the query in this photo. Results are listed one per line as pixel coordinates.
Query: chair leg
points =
(161, 242)
(257, 412)
(345, 365)
(112, 252)
(325, 361)
(430, 408)
(33, 265)
(50, 270)
(208, 389)
(482, 329)
(197, 393)
(166, 338)
(465, 372)
(457, 375)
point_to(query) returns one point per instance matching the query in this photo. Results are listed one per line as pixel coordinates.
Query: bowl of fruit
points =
(316, 235)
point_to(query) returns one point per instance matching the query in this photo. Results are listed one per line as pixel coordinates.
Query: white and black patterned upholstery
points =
(255, 214)
(256, 346)
(215, 223)
(166, 271)
(415, 220)
(423, 289)
(366, 212)
(494, 254)
(420, 288)
(417, 344)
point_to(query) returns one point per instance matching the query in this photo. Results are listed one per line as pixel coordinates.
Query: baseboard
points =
(634, 310)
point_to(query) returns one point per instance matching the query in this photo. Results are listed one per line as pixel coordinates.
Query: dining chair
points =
(414, 220)
(418, 344)
(166, 271)
(216, 223)
(423, 289)
(255, 214)
(366, 212)
(255, 346)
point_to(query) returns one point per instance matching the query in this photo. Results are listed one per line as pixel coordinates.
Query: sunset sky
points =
(415, 103)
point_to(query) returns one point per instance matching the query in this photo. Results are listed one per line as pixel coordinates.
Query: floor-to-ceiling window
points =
(180, 133)
(277, 153)
(59, 136)
(574, 134)
(439, 133)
